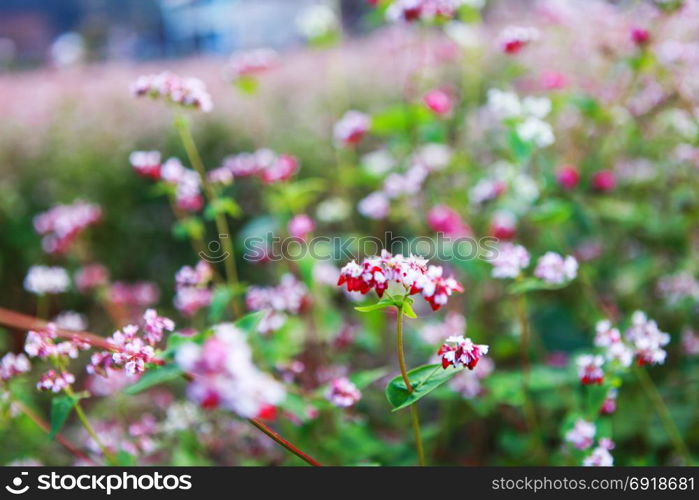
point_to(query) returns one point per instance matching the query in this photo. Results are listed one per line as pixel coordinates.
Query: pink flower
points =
(374, 206)
(582, 434)
(263, 163)
(460, 351)
(185, 92)
(146, 163)
(590, 369)
(13, 364)
(609, 405)
(513, 39)
(647, 340)
(439, 102)
(604, 180)
(289, 296)
(55, 381)
(300, 226)
(62, 224)
(132, 353)
(503, 225)
(553, 80)
(224, 375)
(640, 36)
(139, 294)
(42, 344)
(443, 219)
(568, 176)
(509, 261)
(600, 456)
(155, 325)
(351, 128)
(555, 269)
(91, 276)
(411, 272)
(252, 62)
(343, 393)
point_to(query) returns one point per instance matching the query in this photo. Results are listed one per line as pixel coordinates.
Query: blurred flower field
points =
(469, 237)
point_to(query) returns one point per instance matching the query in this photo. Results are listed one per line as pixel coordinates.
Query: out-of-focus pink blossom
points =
(568, 176)
(351, 128)
(513, 39)
(375, 206)
(62, 224)
(186, 92)
(300, 226)
(590, 369)
(439, 101)
(13, 364)
(582, 435)
(640, 36)
(41, 280)
(55, 381)
(146, 163)
(443, 219)
(343, 393)
(250, 63)
(154, 326)
(509, 261)
(90, 277)
(553, 80)
(139, 294)
(604, 180)
(290, 296)
(503, 225)
(556, 269)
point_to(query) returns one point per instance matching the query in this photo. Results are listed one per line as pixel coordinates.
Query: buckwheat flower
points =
(90, 277)
(486, 190)
(536, 131)
(281, 169)
(13, 364)
(555, 269)
(146, 163)
(100, 364)
(185, 92)
(378, 163)
(605, 334)
(590, 369)
(582, 434)
(439, 102)
(513, 39)
(39, 343)
(290, 296)
(224, 375)
(433, 156)
(604, 180)
(468, 382)
(408, 183)
(71, 320)
(351, 128)
(647, 340)
(536, 107)
(553, 80)
(503, 225)
(435, 288)
(139, 294)
(600, 456)
(62, 224)
(675, 288)
(460, 351)
(690, 343)
(190, 300)
(509, 261)
(55, 381)
(567, 176)
(503, 104)
(41, 280)
(639, 36)
(375, 206)
(250, 63)
(154, 326)
(343, 393)
(621, 353)
(404, 10)
(443, 219)
(300, 226)
(132, 353)
(609, 405)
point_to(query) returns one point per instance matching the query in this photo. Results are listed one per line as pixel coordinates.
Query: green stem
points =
(529, 410)
(664, 413)
(108, 455)
(404, 373)
(224, 231)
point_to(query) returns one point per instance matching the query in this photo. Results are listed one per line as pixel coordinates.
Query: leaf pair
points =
(423, 379)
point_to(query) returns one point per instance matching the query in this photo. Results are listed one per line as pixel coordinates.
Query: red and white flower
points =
(590, 369)
(460, 351)
(343, 393)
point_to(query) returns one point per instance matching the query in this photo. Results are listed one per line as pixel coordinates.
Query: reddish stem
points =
(283, 442)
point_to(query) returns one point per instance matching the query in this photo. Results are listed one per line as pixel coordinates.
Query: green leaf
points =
(399, 119)
(423, 379)
(408, 310)
(221, 298)
(381, 304)
(552, 212)
(153, 377)
(223, 205)
(364, 378)
(191, 227)
(247, 84)
(61, 406)
(125, 459)
(249, 322)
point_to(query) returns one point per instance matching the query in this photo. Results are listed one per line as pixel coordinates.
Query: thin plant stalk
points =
(283, 442)
(404, 373)
(224, 231)
(663, 412)
(108, 455)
